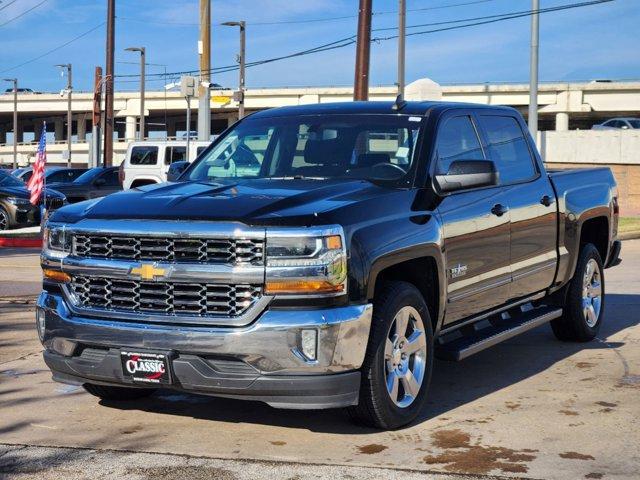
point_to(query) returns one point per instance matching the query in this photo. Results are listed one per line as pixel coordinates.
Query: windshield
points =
(370, 147)
(89, 175)
(8, 180)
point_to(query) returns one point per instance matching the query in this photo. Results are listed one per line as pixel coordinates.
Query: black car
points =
(94, 183)
(51, 174)
(15, 208)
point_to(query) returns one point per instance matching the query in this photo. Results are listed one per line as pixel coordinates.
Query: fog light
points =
(40, 323)
(309, 344)
(63, 346)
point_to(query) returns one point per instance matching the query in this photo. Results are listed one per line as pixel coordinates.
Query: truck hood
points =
(254, 201)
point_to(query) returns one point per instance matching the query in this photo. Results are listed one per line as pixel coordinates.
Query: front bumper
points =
(262, 361)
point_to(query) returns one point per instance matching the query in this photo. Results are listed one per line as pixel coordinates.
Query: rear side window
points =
(144, 156)
(175, 154)
(457, 140)
(508, 148)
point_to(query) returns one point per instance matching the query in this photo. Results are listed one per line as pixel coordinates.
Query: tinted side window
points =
(111, 178)
(508, 148)
(144, 155)
(175, 154)
(457, 140)
(57, 177)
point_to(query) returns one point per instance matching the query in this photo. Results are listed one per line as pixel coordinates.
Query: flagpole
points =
(43, 220)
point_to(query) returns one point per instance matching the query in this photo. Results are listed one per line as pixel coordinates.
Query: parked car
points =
(15, 208)
(148, 162)
(20, 90)
(94, 183)
(358, 241)
(618, 124)
(52, 174)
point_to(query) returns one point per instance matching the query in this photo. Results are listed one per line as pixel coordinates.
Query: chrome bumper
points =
(270, 345)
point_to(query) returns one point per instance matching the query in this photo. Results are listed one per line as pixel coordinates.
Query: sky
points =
(594, 42)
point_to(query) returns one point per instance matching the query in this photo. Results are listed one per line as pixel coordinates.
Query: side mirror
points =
(465, 174)
(99, 182)
(175, 170)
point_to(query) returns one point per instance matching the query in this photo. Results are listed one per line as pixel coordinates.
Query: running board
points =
(467, 345)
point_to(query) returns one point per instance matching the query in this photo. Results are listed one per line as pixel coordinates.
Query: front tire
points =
(397, 367)
(5, 220)
(117, 393)
(584, 306)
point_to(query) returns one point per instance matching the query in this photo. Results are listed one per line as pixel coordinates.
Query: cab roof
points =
(370, 107)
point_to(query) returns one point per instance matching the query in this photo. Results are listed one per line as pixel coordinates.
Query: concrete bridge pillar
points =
(81, 126)
(562, 121)
(37, 131)
(58, 129)
(171, 127)
(3, 134)
(130, 128)
(20, 133)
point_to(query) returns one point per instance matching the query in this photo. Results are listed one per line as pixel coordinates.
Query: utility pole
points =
(533, 79)
(142, 51)
(108, 94)
(239, 95)
(97, 113)
(402, 30)
(204, 51)
(363, 50)
(69, 115)
(15, 120)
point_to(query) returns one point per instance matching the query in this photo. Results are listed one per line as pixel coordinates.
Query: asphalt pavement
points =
(532, 407)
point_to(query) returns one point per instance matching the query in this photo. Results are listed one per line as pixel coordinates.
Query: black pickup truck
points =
(320, 256)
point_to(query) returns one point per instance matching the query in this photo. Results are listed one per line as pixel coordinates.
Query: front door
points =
(476, 230)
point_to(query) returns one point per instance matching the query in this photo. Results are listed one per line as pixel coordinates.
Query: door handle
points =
(499, 210)
(547, 201)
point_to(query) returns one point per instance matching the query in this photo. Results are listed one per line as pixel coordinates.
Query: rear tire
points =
(584, 306)
(117, 393)
(399, 360)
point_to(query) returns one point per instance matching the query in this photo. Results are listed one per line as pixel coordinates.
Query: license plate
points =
(145, 367)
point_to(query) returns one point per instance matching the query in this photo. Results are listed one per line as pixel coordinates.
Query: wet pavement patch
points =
(594, 475)
(371, 449)
(278, 443)
(576, 456)
(461, 456)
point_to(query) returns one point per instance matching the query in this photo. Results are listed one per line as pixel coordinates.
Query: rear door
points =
(531, 201)
(475, 227)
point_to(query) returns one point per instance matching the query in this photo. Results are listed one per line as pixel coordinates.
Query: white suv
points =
(148, 162)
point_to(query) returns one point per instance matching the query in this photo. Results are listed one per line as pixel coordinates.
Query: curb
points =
(629, 236)
(20, 242)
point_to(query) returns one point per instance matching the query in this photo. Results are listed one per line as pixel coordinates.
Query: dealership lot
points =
(531, 407)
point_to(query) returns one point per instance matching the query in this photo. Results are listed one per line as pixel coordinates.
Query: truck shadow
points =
(453, 384)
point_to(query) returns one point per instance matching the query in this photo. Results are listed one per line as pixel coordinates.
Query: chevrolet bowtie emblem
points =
(147, 271)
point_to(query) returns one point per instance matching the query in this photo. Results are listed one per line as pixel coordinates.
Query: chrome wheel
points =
(592, 293)
(405, 355)
(4, 220)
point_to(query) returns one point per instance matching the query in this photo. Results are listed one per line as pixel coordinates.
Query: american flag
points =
(36, 182)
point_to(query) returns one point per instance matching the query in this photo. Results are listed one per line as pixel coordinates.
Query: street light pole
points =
(533, 80)
(143, 54)
(402, 30)
(69, 115)
(242, 62)
(204, 51)
(15, 120)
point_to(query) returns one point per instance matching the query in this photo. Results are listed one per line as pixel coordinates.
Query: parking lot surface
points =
(532, 407)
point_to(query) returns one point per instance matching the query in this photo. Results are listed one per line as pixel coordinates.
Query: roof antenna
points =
(399, 104)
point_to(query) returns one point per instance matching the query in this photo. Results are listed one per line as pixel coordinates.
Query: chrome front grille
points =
(180, 250)
(168, 298)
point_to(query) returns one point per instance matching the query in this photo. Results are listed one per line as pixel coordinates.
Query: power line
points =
(53, 49)
(8, 4)
(344, 42)
(313, 20)
(23, 13)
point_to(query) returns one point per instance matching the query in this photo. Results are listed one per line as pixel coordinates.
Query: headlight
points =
(306, 263)
(18, 201)
(56, 241)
